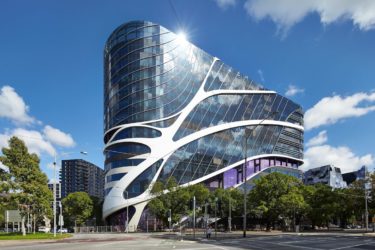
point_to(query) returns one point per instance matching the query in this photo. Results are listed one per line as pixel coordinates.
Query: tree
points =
(293, 204)
(226, 199)
(78, 207)
(323, 204)
(177, 199)
(5, 186)
(269, 196)
(97, 210)
(27, 184)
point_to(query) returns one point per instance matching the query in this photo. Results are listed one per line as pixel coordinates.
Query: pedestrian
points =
(208, 234)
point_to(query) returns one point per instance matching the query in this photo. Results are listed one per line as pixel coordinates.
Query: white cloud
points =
(58, 137)
(341, 157)
(33, 139)
(293, 90)
(330, 110)
(224, 4)
(286, 13)
(319, 154)
(260, 73)
(13, 107)
(320, 139)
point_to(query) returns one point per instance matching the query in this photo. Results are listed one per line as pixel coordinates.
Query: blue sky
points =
(320, 53)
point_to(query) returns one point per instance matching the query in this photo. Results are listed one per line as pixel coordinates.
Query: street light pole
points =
(244, 171)
(244, 175)
(170, 220)
(54, 196)
(61, 216)
(230, 216)
(194, 216)
(366, 206)
(215, 217)
(127, 211)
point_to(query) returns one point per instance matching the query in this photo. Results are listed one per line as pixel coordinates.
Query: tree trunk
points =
(23, 226)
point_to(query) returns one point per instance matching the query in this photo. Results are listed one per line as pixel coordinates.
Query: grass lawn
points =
(36, 236)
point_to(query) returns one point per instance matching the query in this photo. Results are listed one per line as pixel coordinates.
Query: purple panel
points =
(272, 162)
(264, 163)
(250, 168)
(214, 184)
(230, 178)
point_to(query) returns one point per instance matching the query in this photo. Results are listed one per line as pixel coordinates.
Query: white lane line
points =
(357, 245)
(293, 246)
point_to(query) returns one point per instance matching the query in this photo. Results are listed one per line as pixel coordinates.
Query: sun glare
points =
(181, 38)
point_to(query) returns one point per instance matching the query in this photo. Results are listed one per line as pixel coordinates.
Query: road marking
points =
(288, 245)
(357, 245)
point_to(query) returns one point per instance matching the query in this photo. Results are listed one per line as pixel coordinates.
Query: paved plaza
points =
(223, 242)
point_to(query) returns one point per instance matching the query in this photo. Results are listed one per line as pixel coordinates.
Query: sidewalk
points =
(251, 234)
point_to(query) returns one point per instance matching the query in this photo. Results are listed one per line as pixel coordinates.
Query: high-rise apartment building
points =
(79, 175)
(58, 190)
(173, 111)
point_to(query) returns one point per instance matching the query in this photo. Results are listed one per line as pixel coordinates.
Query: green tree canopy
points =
(177, 199)
(26, 183)
(275, 195)
(78, 207)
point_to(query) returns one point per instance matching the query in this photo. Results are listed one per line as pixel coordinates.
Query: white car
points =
(44, 229)
(62, 230)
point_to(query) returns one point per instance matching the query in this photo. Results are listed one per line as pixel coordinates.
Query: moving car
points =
(62, 230)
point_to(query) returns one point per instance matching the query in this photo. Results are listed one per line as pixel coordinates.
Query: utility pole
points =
(215, 217)
(194, 216)
(230, 216)
(61, 218)
(170, 220)
(244, 170)
(366, 206)
(244, 175)
(127, 210)
(206, 216)
(54, 197)
(147, 223)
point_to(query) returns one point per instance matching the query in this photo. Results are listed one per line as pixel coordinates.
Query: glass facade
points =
(170, 104)
(148, 74)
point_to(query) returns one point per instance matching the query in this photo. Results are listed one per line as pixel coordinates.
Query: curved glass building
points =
(172, 110)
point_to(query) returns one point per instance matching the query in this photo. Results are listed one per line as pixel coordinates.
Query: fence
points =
(103, 229)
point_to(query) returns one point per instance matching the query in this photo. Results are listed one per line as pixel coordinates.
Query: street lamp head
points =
(83, 152)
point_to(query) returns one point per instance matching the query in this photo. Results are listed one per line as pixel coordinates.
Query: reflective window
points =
(164, 123)
(213, 152)
(122, 163)
(114, 177)
(137, 132)
(141, 183)
(126, 150)
(149, 75)
(220, 109)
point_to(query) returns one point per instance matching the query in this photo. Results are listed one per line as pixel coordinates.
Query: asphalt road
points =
(156, 242)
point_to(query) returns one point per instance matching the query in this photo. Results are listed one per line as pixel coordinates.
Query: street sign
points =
(169, 219)
(61, 220)
(13, 216)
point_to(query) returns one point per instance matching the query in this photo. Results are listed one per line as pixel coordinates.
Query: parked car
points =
(44, 229)
(62, 230)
